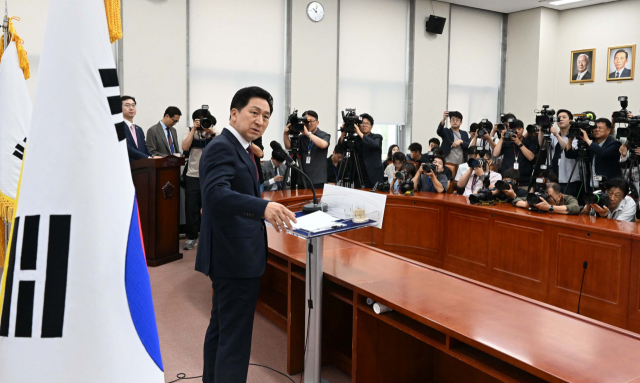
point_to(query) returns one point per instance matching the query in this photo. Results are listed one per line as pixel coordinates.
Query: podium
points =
(157, 183)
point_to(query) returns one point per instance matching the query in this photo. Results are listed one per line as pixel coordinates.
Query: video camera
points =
(584, 121)
(207, 120)
(545, 117)
(620, 117)
(484, 196)
(297, 123)
(632, 135)
(350, 119)
(532, 129)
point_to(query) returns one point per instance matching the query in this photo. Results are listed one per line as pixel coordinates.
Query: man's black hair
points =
(626, 55)
(199, 113)
(555, 186)
(567, 112)
(312, 114)
(125, 98)
(456, 114)
(605, 121)
(368, 117)
(410, 168)
(472, 150)
(435, 140)
(399, 156)
(338, 149)
(549, 175)
(172, 111)
(242, 97)
(618, 183)
(277, 156)
(516, 124)
(438, 152)
(511, 173)
(510, 116)
(440, 158)
(415, 147)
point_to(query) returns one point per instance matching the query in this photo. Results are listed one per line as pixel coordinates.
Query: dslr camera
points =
(483, 127)
(429, 168)
(350, 119)
(383, 187)
(620, 117)
(484, 196)
(632, 135)
(207, 120)
(297, 123)
(504, 185)
(599, 197)
(476, 163)
(405, 181)
(539, 191)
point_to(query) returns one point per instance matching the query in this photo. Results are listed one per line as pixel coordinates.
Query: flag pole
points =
(5, 26)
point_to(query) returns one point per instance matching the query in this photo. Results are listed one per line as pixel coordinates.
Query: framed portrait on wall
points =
(621, 62)
(583, 65)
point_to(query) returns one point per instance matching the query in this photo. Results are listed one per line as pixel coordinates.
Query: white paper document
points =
(314, 221)
(341, 200)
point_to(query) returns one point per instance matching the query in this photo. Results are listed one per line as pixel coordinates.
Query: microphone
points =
(584, 270)
(308, 208)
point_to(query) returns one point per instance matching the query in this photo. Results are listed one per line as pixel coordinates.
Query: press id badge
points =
(308, 160)
(516, 166)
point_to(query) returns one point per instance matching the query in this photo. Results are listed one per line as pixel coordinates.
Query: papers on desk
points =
(341, 200)
(316, 221)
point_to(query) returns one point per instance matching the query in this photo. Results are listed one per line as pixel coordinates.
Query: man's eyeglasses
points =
(365, 124)
(175, 121)
(129, 105)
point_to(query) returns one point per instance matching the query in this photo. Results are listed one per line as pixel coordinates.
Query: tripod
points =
(297, 162)
(545, 153)
(345, 172)
(633, 163)
(582, 164)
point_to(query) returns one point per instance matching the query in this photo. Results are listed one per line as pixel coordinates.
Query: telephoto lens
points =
(483, 196)
(504, 185)
(600, 199)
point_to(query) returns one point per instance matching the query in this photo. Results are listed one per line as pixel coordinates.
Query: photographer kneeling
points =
(473, 178)
(556, 202)
(431, 177)
(615, 203)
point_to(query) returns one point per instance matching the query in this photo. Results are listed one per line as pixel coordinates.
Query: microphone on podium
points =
(308, 208)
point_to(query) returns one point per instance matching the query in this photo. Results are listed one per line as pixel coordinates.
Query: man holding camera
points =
(604, 152)
(563, 166)
(556, 202)
(368, 146)
(314, 146)
(518, 151)
(455, 142)
(615, 203)
(478, 169)
(431, 177)
(195, 140)
(508, 188)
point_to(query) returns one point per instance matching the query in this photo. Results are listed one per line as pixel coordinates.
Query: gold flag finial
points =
(113, 19)
(22, 54)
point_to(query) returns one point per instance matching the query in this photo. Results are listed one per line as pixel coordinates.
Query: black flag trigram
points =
(19, 152)
(55, 285)
(110, 79)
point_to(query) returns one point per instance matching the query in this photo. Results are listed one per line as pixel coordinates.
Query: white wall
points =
(431, 61)
(314, 64)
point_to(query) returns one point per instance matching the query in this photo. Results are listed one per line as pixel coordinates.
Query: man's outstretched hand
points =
(279, 216)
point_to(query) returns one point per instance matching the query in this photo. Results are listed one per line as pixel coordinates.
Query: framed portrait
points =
(621, 62)
(583, 65)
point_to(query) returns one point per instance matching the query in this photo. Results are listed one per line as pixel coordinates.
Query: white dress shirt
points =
(580, 75)
(626, 211)
(244, 143)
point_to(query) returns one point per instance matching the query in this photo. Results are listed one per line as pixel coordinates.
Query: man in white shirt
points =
(471, 180)
(621, 207)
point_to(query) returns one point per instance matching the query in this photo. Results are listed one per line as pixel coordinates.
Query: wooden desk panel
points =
(633, 319)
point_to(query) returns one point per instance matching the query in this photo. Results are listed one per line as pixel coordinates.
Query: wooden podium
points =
(157, 183)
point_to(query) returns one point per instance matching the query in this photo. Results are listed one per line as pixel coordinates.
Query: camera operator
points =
(556, 202)
(409, 169)
(472, 179)
(433, 143)
(485, 140)
(511, 179)
(518, 152)
(368, 146)
(398, 159)
(626, 166)
(313, 150)
(620, 206)
(455, 142)
(195, 140)
(415, 150)
(432, 179)
(333, 164)
(604, 151)
(562, 166)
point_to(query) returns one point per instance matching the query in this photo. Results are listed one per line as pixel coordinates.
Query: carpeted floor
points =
(182, 300)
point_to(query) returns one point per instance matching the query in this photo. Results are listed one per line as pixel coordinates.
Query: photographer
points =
(455, 142)
(615, 203)
(433, 143)
(333, 164)
(195, 140)
(518, 152)
(472, 179)
(562, 166)
(627, 167)
(398, 160)
(432, 179)
(604, 151)
(409, 170)
(556, 202)
(368, 146)
(415, 151)
(314, 146)
(485, 140)
(511, 180)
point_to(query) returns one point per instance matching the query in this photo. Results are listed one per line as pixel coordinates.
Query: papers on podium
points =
(341, 201)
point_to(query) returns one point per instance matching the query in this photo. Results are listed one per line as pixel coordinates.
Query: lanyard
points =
(334, 171)
(456, 135)
(309, 147)
(516, 153)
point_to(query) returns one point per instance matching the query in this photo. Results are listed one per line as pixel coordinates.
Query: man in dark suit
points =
(582, 64)
(620, 60)
(368, 146)
(233, 242)
(274, 171)
(162, 138)
(136, 144)
(455, 142)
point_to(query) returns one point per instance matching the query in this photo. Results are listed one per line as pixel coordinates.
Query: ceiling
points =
(509, 6)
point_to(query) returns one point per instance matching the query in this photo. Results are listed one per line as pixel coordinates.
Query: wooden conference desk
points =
(448, 328)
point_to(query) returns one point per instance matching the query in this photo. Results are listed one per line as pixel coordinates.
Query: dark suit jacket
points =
(625, 73)
(587, 76)
(140, 151)
(448, 138)
(607, 158)
(157, 140)
(371, 155)
(233, 238)
(268, 171)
